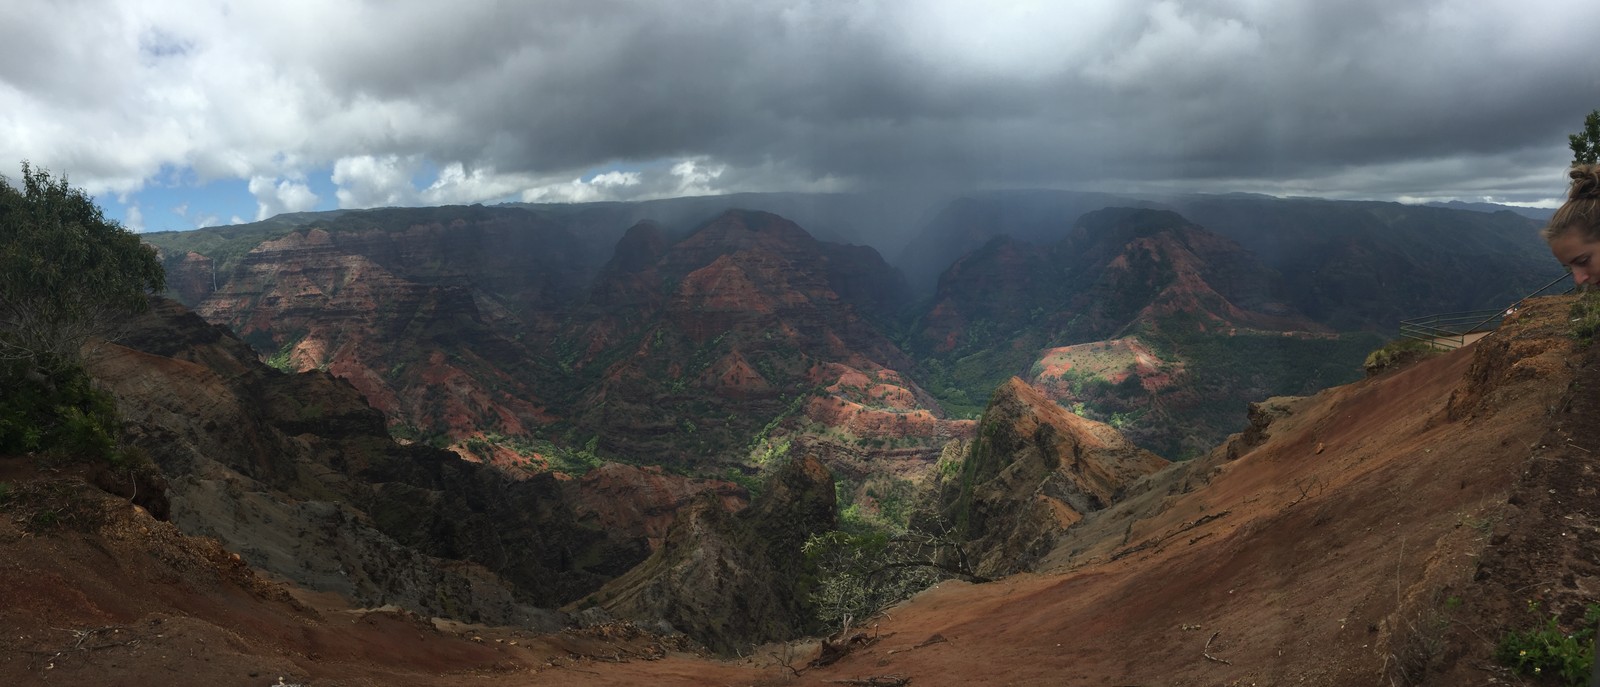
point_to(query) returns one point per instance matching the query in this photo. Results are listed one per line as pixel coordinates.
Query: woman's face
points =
(1579, 254)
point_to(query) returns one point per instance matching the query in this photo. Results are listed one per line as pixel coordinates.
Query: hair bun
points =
(1585, 182)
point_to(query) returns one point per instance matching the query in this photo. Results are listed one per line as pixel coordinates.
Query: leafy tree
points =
(868, 566)
(67, 273)
(1586, 144)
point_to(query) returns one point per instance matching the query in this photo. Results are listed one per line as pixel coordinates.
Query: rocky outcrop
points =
(1261, 415)
(730, 580)
(628, 290)
(299, 475)
(1001, 281)
(1035, 470)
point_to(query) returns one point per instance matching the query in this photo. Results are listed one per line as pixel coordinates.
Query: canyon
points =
(629, 431)
(1386, 530)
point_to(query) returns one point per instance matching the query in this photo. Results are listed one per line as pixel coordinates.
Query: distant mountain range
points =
(1536, 214)
(685, 333)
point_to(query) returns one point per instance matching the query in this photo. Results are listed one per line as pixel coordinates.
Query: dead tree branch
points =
(1206, 652)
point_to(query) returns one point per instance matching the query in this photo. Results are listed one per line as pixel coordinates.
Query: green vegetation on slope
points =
(226, 246)
(1548, 650)
(68, 275)
(1222, 372)
(962, 385)
(1227, 372)
(883, 551)
(1586, 317)
(1396, 354)
(63, 414)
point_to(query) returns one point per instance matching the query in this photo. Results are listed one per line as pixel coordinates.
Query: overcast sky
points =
(180, 114)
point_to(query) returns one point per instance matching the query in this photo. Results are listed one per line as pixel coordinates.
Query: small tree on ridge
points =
(1586, 144)
(67, 273)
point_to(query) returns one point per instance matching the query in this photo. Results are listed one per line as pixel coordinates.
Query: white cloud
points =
(615, 179)
(203, 221)
(696, 176)
(518, 99)
(611, 185)
(367, 181)
(457, 184)
(275, 197)
(134, 219)
(235, 220)
(1204, 47)
(182, 210)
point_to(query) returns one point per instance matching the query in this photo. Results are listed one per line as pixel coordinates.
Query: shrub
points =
(1395, 354)
(1548, 651)
(1586, 317)
(64, 415)
(281, 362)
(47, 505)
(480, 447)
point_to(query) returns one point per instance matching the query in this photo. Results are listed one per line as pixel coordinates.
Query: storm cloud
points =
(428, 102)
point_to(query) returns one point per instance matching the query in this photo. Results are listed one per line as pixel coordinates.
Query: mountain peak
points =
(736, 223)
(1034, 471)
(639, 249)
(1127, 223)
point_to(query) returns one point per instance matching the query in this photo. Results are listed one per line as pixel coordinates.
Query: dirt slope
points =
(94, 591)
(1328, 554)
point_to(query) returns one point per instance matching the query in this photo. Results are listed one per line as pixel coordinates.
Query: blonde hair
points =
(1581, 212)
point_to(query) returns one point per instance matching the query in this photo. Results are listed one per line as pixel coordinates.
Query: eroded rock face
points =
(471, 322)
(193, 276)
(1522, 349)
(641, 501)
(1035, 470)
(299, 475)
(706, 340)
(1118, 266)
(420, 313)
(729, 580)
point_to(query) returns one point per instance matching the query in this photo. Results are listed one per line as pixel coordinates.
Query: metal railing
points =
(1452, 329)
